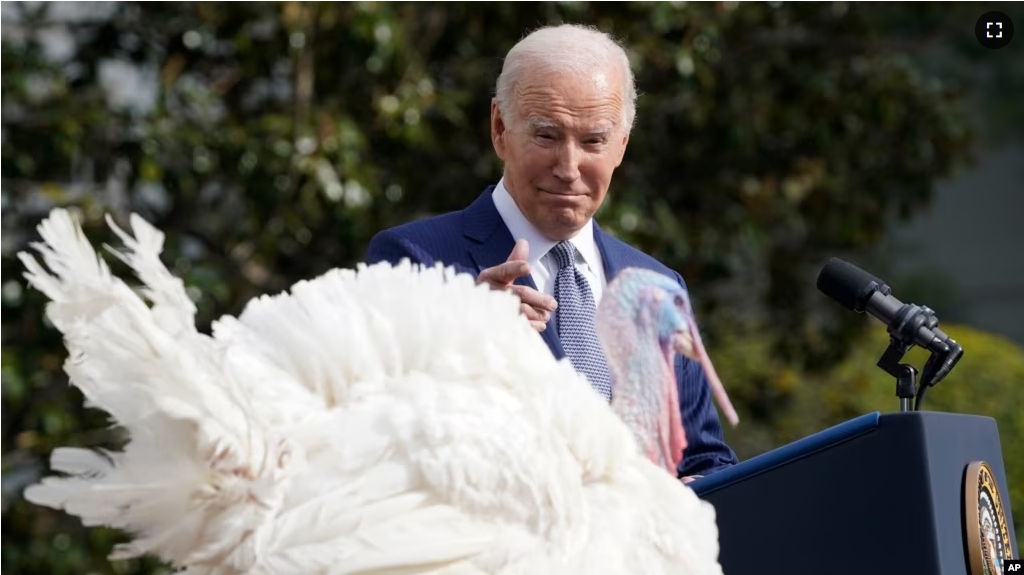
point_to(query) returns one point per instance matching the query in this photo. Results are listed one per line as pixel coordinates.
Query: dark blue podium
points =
(895, 493)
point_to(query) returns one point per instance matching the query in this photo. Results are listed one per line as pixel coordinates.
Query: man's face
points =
(561, 147)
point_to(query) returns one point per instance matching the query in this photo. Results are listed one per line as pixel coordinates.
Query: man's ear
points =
(498, 130)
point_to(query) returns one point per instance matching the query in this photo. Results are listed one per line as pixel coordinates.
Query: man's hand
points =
(537, 307)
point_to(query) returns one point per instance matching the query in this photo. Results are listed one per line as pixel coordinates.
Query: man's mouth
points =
(562, 193)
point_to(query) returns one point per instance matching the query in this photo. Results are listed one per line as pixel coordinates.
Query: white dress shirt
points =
(543, 267)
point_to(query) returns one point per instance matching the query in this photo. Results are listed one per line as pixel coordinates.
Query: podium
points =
(917, 492)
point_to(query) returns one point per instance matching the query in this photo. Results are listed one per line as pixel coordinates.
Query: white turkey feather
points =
(379, 420)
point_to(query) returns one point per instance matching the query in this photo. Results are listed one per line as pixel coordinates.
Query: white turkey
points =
(380, 420)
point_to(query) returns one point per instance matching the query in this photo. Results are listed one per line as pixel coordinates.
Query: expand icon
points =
(994, 30)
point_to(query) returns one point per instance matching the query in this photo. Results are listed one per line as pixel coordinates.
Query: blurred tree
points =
(939, 38)
(271, 140)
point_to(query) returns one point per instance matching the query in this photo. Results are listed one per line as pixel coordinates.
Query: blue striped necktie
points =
(576, 310)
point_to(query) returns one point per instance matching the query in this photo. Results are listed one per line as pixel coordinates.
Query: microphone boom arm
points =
(905, 374)
(945, 353)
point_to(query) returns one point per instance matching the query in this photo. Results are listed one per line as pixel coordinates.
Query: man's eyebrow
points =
(602, 129)
(542, 124)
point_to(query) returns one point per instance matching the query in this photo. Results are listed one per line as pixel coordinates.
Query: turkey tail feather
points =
(199, 472)
(172, 306)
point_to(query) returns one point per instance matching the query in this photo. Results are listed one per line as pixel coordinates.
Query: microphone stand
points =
(944, 356)
(905, 374)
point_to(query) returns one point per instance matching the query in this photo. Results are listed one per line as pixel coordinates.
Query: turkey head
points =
(643, 321)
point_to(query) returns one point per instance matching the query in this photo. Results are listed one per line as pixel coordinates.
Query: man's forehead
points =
(588, 100)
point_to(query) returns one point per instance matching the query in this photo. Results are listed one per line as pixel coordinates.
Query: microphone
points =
(857, 290)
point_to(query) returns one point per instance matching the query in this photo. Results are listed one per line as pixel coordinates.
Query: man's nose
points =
(567, 166)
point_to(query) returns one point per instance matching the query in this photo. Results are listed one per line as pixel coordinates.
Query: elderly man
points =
(560, 122)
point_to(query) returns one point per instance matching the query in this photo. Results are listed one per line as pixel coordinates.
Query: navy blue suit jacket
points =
(476, 238)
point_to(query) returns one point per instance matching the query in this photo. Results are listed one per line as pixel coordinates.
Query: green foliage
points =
(271, 140)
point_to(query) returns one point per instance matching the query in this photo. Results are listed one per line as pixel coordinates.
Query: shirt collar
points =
(521, 228)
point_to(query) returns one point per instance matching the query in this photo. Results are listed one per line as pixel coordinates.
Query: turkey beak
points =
(683, 344)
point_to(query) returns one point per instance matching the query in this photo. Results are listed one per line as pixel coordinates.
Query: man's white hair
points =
(568, 48)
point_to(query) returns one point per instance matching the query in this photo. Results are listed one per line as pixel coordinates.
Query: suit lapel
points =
(490, 243)
(611, 257)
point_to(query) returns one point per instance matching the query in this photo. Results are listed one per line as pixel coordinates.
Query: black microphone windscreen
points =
(847, 284)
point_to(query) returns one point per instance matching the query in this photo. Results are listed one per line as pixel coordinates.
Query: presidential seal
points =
(985, 525)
